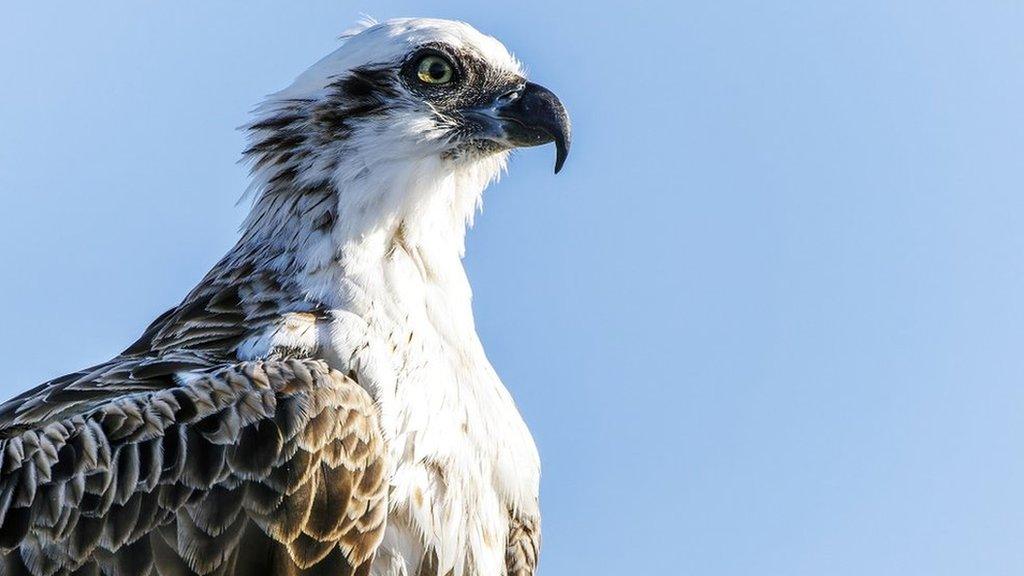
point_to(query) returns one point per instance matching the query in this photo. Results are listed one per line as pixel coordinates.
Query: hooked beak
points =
(532, 116)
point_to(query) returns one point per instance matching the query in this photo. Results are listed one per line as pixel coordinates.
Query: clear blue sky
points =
(769, 320)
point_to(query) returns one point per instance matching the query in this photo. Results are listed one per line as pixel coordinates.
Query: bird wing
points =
(179, 466)
(523, 547)
(235, 300)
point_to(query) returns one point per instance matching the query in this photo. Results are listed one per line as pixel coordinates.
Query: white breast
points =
(461, 455)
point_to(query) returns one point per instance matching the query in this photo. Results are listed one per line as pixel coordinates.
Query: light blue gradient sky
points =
(769, 319)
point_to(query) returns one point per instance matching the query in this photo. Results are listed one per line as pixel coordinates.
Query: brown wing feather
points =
(248, 468)
(523, 546)
(235, 300)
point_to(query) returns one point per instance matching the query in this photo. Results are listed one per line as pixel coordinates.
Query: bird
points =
(320, 403)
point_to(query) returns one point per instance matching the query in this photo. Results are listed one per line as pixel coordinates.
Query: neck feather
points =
(320, 210)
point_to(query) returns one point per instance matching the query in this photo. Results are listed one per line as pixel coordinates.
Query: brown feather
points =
(173, 478)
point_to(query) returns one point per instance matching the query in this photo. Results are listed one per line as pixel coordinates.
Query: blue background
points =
(769, 319)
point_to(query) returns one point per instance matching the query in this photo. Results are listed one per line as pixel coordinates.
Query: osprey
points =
(320, 403)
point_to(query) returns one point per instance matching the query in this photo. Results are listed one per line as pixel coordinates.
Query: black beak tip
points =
(561, 153)
(560, 128)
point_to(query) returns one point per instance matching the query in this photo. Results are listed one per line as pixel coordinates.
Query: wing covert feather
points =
(231, 469)
(523, 546)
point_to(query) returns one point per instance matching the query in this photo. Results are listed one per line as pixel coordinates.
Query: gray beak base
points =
(537, 117)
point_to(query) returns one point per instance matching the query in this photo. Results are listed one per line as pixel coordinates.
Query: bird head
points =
(405, 91)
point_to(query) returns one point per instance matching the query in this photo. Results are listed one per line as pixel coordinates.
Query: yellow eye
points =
(435, 70)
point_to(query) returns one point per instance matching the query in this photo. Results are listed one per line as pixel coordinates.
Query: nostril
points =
(511, 95)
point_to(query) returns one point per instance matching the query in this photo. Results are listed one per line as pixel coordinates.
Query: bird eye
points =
(434, 70)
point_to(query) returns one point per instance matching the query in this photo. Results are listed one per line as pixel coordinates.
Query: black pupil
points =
(437, 70)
